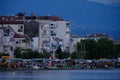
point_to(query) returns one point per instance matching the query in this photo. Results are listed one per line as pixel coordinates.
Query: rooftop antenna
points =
(32, 14)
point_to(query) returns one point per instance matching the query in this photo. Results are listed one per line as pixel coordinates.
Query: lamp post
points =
(53, 50)
(82, 49)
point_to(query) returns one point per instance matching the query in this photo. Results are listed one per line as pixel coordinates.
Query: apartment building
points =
(45, 33)
(11, 35)
(54, 34)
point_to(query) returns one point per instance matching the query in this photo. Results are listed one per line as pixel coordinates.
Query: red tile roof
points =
(115, 41)
(98, 35)
(19, 36)
(54, 18)
(14, 18)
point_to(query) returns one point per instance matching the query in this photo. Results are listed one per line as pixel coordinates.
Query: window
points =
(16, 42)
(11, 48)
(23, 41)
(7, 31)
(67, 24)
(51, 24)
(53, 33)
(20, 28)
(51, 27)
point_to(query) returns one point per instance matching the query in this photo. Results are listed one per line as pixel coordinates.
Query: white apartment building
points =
(47, 33)
(54, 34)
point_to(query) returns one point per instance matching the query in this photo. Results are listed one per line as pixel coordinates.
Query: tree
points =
(106, 48)
(17, 52)
(45, 55)
(62, 55)
(103, 48)
(117, 50)
(3, 54)
(30, 54)
(91, 48)
(74, 55)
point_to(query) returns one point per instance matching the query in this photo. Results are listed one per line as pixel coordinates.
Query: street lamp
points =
(53, 50)
(82, 50)
(83, 47)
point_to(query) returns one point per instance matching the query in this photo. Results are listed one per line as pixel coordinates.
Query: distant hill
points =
(96, 18)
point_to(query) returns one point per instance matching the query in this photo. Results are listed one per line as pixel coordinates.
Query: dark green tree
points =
(30, 54)
(103, 48)
(117, 51)
(74, 55)
(45, 55)
(63, 55)
(91, 48)
(60, 54)
(106, 48)
(3, 54)
(17, 52)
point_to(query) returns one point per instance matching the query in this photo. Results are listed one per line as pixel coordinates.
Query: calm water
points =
(61, 75)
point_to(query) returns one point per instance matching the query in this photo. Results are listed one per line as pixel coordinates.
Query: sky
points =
(86, 16)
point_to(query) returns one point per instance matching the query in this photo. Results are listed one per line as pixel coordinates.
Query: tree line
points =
(102, 48)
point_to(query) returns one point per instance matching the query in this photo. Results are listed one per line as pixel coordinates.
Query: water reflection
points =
(61, 75)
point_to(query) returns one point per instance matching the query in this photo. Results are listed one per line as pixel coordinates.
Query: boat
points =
(51, 67)
(36, 67)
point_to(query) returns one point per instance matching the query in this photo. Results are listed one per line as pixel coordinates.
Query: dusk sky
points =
(86, 16)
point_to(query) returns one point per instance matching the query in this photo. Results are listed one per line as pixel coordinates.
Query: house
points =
(99, 36)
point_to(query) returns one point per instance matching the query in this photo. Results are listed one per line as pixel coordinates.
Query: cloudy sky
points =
(86, 16)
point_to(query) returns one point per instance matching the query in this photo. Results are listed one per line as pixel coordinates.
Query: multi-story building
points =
(6, 39)
(12, 35)
(49, 31)
(54, 34)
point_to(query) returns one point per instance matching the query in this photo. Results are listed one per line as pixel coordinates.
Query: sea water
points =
(91, 74)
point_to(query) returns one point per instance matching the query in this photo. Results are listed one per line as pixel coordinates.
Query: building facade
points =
(54, 34)
(12, 36)
(42, 33)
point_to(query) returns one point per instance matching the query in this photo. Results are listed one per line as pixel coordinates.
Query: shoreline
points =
(57, 69)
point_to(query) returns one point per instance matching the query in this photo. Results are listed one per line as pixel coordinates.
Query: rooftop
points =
(98, 35)
(19, 36)
(4, 19)
(11, 22)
